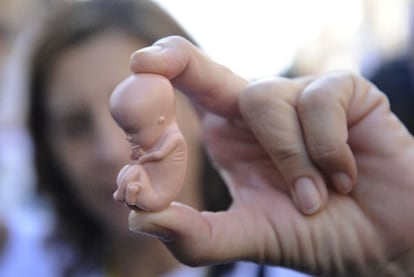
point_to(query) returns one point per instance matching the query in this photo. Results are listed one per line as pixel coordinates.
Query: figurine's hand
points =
(175, 140)
(265, 138)
(156, 155)
(150, 157)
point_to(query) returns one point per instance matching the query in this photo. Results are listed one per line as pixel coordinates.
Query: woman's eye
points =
(75, 126)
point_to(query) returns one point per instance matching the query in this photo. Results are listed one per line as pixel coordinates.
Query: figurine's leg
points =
(151, 197)
(131, 180)
(137, 192)
(132, 190)
(119, 193)
(122, 173)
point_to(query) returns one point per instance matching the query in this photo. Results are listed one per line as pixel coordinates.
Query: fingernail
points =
(342, 182)
(149, 49)
(149, 230)
(307, 195)
(162, 235)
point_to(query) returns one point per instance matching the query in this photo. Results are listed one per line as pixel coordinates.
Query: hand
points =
(216, 97)
(276, 136)
(150, 157)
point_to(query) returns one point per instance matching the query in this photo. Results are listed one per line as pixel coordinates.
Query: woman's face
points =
(89, 146)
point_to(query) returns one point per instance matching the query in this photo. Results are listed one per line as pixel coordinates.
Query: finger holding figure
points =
(362, 233)
(211, 86)
(229, 101)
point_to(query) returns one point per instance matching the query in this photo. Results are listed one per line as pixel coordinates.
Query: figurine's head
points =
(143, 105)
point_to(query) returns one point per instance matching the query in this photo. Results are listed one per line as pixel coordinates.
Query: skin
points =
(91, 148)
(144, 107)
(365, 232)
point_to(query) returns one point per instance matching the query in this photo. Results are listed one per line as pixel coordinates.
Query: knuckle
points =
(325, 154)
(312, 95)
(255, 92)
(289, 156)
(265, 92)
(193, 260)
(323, 88)
(268, 84)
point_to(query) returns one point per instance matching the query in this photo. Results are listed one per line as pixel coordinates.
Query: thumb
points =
(208, 84)
(197, 238)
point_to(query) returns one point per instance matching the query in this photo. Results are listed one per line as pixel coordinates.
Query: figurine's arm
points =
(169, 143)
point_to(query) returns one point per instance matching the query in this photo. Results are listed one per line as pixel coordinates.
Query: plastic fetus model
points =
(143, 105)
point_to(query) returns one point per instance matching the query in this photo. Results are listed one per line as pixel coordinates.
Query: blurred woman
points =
(81, 55)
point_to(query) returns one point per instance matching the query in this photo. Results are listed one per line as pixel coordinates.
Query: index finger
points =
(208, 84)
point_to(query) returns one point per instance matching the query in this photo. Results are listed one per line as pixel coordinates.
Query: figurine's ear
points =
(161, 120)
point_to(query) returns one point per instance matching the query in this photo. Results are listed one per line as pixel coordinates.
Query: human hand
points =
(217, 99)
(265, 136)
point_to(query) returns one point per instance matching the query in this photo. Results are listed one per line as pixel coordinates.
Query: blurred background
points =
(252, 38)
(262, 37)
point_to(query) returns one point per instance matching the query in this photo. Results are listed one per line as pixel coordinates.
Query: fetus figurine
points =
(143, 105)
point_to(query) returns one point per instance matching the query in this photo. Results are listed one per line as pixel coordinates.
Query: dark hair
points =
(70, 24)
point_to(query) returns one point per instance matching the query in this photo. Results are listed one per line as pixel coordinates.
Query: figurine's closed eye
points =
(131, 131)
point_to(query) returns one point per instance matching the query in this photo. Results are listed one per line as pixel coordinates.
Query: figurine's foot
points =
(131, 193)
(118, 196)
